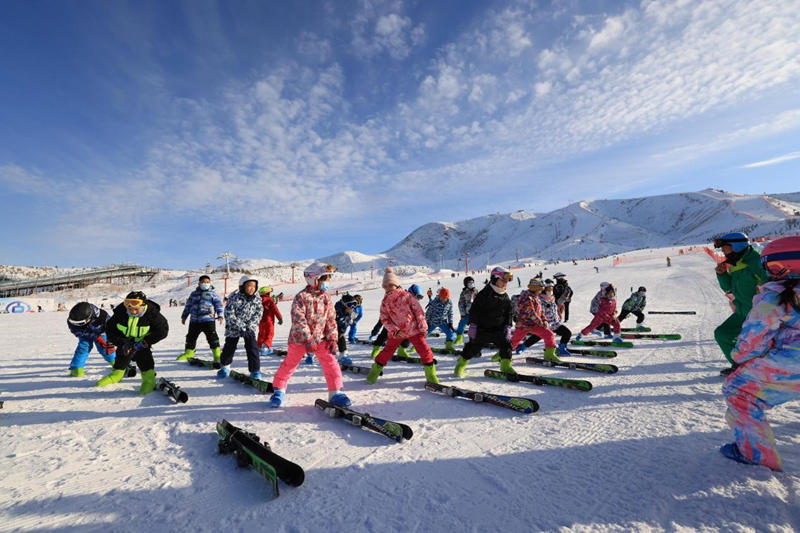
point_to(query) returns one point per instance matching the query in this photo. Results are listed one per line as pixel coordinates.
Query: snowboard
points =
(591, 367)
(575, 384)
(656, 336)
(515, 403)
(624, 344)
(250, 451)
(195, 361)
(173, 391)
(393, 430)
(259, 384)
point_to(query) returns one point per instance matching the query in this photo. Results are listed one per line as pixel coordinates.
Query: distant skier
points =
(766, 355)
(740, 275)
(266, 326)
(88, 323)
(563, 295)
(605, 314)
(135, 327)
(430, 294)
(464, 304)
(242, 316)
(439, 315)
(635, 305)
(203, 306)
(359, 313)
(669, 262)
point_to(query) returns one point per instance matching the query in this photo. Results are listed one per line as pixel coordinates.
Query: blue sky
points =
(165, 133)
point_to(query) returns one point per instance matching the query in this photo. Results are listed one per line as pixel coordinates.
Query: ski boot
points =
(76, 372)
(562, 350)
(550, 355)
(186, 355)
(402, 352)
(617, 339)
(255, 374)
(641, 327)
(448, 345)
(461, 367)
(216, 352)
(521, 348)
(344, 359)
(376, 350)
(459, 339)
(579, 337)
(278, 399)
(505, 366)
(609, 336)
(148, 381)
(339, 399)
(496, 358)
(374, 373)
(430, 373)
(309, 360)
(114, 377)
(224, 371)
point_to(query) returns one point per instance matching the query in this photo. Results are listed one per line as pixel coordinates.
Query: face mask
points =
(139, 314)
(205, 286)
(323, 286)
(470, 285)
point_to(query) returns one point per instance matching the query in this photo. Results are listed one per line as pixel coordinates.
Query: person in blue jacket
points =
(359, 312)
(203, 306)
(88, 323)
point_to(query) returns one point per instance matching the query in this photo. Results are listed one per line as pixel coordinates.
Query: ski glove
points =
(141, 345)
(280, 321)
(472, 332)
(507, 332)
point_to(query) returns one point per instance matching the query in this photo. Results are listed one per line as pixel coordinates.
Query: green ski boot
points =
(459, 339)
(76, 372)
(496, 358)
(401, 352)
(185, 355)
(448, 345)
(550, 355)
(114, 377)
(376, 350)
(216, 353)
(148, 381)
(505, 366)
(461, 367)
(430, 373)
(374, 372)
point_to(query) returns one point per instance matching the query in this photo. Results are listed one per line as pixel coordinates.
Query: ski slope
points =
(637, 453)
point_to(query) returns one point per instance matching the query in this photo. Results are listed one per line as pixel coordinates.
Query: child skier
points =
(563, 295)
(439, 314)
(532, 320)
(345, 313)
(464, 304)
(381, 334)
(266, 327)
(313, 332)
(594, 307)
(359, 313)
(402, 316)
(767, 355)
(635, 305)
(489, 322)
(606, 314)
(88, 323)
(550, 310)
(135, 327)
(203, 306)
(242, 315)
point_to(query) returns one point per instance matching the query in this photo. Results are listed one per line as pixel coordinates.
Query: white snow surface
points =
(637, 453)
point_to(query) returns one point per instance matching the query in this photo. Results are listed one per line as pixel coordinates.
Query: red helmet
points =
(444, 293)
(781, 258)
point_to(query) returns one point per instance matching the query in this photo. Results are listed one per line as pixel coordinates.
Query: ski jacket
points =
(635, 302)
(242, 314)
(202, 306)
(550, 310)
(490, 311)
(359, 312)
(742, 279)
(344, 316)
(562, 292)
(439, 313)
(93, 329)
(770, 328)
(607, 310)
(313, 318)
(530, 311)
(151, 327)
(270, 312)
(401, 312)
(465, 301)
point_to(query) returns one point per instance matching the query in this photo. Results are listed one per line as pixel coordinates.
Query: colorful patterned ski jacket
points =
(313, 318)
(465, 301)
(769, 327)
(439, 313)
(203, 306)
(550, 310)
(742, 279)
(242, 314)
(530, 311)
(402, 315)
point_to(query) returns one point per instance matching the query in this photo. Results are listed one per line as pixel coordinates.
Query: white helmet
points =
(559, 275)
(316, 270)
(244, 279)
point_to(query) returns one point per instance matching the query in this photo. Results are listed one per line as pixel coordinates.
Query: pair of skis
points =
(388, 428)
(624, 344)
(515, 403)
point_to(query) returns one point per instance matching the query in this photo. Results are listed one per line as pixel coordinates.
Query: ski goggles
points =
(719, 242)
(772, 263)
(351, 305)
(81, 322)
(508, 276)
(133, 303)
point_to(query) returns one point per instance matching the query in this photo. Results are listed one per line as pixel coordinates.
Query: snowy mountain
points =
(601, 227)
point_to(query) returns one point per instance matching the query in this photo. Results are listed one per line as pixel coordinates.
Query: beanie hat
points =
(390, 278)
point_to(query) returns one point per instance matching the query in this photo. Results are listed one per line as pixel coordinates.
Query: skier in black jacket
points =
(135, 326)
(562, 292)
(489, 322)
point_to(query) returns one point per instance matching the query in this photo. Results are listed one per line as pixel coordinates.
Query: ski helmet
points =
(641, 289)
(266, 289)
(559, 275)
(535, 282)
(737, 240)
(444, 293)
(244, 279)
(468, 280)
(314, 271)
(604, 285)
(499, 272)
(549, 283)
(81, 314)
(416, 291)
(348, 300)
(781, 258)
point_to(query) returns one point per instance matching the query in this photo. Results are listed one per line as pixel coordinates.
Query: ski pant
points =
(250, 347)
(383, 336)
(754, 387)
(266, 331)
(424, 351)
(143, 359)
(727, 333)
(82, 352)
(351, 335)
(341, 342)
(376, 329)
(562, 330)
(208, 328)
(449, 334)
(484, 337)
(327, 360)
(624, 314)
(597, 321)
(566, 312)
(462, 324)
(523, 331)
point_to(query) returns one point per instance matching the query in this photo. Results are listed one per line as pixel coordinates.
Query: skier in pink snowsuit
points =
(313, 331)
(606, 314)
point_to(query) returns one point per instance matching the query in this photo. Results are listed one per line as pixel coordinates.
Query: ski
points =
(411, 360)
(592, 367)
(445, 351)
(258, 384)
(656, 336)
(575, 384)
(250, 451)
(672, 312)
(359, 341)
(393, 430)
(130, 372)
(195, 361)
(589, 351)
(515, 403)
(172, 390)
(643, 330)
(355, 369)
(624, 344)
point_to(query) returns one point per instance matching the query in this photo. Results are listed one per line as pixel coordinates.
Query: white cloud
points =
(774, 160)
(380, 28)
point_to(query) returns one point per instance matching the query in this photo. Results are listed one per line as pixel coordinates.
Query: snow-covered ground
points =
(637, 453)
